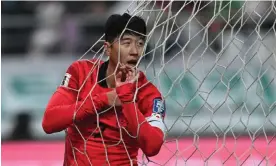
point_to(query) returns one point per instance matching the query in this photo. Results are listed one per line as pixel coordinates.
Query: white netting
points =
(214, 62)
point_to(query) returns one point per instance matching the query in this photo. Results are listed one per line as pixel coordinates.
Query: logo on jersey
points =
(159, 107)
(65, 81)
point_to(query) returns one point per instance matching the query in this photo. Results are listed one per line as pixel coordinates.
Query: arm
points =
(64, 108)
(61, 109)
(150, 130)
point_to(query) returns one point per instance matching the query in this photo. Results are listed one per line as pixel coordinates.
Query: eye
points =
(126, 42)
(141, 43)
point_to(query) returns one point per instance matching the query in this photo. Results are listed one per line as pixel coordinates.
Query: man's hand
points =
(113, 99)
(126, 75)
(125, 83)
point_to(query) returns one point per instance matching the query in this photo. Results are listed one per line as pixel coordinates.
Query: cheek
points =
(124, 54)
(114, 56)
(140, 51)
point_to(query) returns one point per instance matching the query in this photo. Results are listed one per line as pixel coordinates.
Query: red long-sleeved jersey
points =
(111, 136)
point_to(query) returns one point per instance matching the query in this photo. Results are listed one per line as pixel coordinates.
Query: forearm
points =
(60, 112)
(150, 137)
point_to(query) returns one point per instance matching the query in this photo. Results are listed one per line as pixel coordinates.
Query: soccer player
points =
(108, 109)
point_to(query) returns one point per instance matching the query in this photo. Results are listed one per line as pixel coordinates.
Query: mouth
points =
(132, 62)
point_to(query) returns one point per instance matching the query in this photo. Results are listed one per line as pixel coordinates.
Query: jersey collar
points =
(102, 75)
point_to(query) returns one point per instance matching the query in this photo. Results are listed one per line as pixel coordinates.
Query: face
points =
(126, 51)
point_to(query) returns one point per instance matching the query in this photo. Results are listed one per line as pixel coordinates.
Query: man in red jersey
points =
(108, 109)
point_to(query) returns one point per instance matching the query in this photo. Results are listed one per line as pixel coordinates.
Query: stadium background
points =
(40, 40)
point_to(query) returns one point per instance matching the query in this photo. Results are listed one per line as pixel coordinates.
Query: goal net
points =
(214, 62)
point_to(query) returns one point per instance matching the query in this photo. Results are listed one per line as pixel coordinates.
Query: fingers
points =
(129, 76)
(113, 98)
(126, 74)
(132, 75)
(126, 68)
(123, 70)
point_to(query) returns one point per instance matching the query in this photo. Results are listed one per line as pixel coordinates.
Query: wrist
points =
(95, 103)
(126, 93)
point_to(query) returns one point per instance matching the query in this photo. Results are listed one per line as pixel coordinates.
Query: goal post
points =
(215, 64)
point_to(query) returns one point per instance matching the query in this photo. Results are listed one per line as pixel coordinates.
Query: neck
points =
(110, 75)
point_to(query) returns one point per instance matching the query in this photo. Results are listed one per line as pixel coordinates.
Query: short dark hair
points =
(116, 24)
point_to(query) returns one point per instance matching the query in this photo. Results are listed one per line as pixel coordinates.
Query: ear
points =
(107, 47)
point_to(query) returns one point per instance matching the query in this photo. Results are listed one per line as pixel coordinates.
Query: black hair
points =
(116, 24)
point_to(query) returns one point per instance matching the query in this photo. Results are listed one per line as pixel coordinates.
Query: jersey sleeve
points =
(69, 85)
(152, 105)
(151, 101)
(145, 120)
(63, 106)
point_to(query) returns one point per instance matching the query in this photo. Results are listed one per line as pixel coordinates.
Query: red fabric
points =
(61, 106)
(99, 131)
(126, 92)
(150, 138)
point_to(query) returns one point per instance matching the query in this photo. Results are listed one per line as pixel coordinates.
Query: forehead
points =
(131, 37)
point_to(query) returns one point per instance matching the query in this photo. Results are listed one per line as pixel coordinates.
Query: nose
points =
(134, 50)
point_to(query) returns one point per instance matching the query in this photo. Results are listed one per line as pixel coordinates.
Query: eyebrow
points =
(129, 38)
(126, 38)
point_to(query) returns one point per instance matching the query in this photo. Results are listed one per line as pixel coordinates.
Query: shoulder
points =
(149, 97)
(80, 70)
(84, 64)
